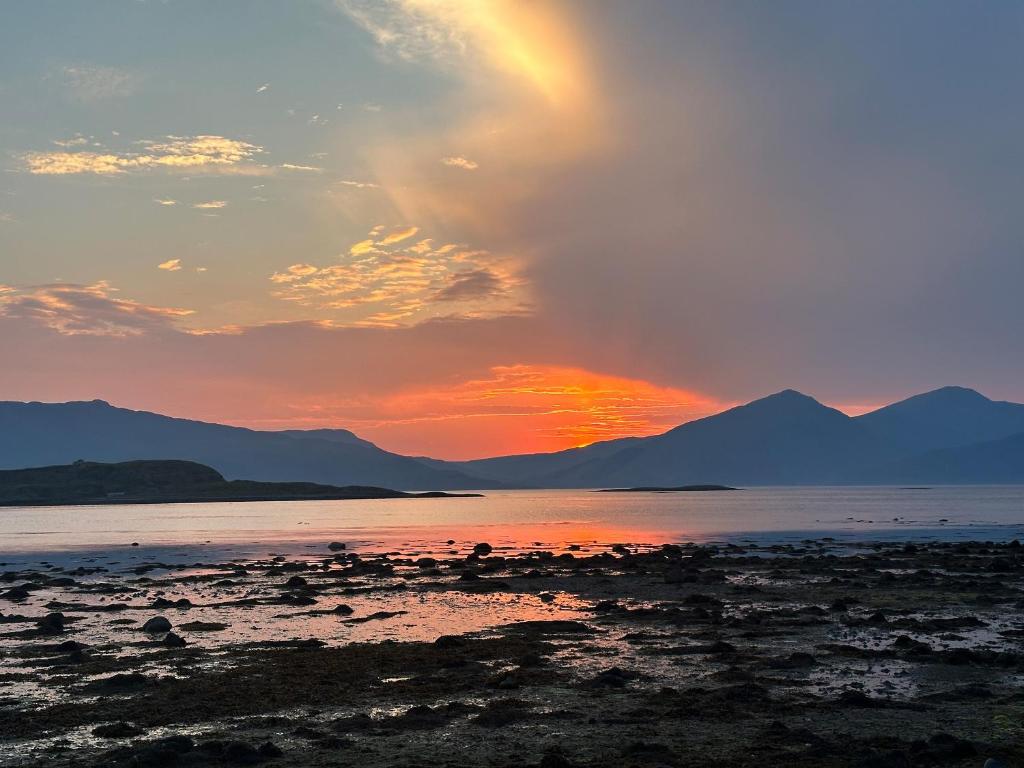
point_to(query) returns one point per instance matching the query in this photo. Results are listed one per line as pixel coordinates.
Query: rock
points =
(620, 549)
(334, 742)
(483, 549)
(343, 609)
(16, 594)
(612, 678)
(172, 640)
(859, 699)
(203, 626)
(157, 624)
(117, 730)
(426, 562)
(960, 656)
(950, 748)
(268, 749)
(336, 546)
(546, 597)
(722, 647)
(555, 760)
(240, 753)
(296, 598)
(51, 624)
(296, 581)
(358, 722)
(909, 644)
(121, 681)
(449, 641)
(450, 542)
(505, 680)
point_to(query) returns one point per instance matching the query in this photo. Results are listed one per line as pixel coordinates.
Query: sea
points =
(513, 521)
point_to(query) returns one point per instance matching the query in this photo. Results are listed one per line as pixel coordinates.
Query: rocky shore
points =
(815, 654)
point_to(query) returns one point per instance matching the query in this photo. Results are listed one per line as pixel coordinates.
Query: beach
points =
(818, 652)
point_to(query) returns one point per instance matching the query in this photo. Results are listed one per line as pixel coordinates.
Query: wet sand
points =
(814, 654)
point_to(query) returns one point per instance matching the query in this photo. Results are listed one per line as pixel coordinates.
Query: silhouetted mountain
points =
(992, 462)
(152, 482)
(943, 418)
(535, 469)
(37, 434)
(951, 435)
(784, 439)
(332, 435)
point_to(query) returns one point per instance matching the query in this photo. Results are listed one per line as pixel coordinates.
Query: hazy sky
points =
(471, 227)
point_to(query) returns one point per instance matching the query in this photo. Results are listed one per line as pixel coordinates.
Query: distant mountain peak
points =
(955, 392)
(941, 398)
(787, 398)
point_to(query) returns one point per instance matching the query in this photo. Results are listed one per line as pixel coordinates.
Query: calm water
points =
(520, 519)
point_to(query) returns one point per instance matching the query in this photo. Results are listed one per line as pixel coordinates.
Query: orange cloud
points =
(384, 283)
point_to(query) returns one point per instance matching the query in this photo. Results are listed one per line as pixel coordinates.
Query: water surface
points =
(521, 520)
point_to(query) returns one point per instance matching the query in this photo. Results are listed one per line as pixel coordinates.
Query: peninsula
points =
(164, 482)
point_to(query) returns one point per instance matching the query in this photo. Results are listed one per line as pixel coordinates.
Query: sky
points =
(465, 228)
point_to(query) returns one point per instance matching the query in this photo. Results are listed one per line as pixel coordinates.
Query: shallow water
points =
(518, 520)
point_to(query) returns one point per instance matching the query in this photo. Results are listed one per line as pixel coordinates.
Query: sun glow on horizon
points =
(513, 409)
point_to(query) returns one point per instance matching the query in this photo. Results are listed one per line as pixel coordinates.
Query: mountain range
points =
(949, 435)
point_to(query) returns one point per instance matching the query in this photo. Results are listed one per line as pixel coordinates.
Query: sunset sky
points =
(465, 228)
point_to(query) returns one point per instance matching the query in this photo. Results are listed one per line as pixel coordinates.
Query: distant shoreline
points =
(226, 499)
(669, 489)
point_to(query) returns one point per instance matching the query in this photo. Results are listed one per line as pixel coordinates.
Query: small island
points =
(668, 489)
(167, 482)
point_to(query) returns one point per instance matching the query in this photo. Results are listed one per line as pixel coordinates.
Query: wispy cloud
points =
(188, 153)
(458, 161)
(86, 310)
(398, 235)
(263, 88)
(88, 82)
(171, 265)
(358, 184)
(211, 205)
(78, 140)
(294, 167)
(166, 201)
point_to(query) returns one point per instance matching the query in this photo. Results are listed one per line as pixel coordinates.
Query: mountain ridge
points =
(786, 438)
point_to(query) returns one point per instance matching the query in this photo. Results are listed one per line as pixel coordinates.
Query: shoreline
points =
(397, 495)
(818, 653)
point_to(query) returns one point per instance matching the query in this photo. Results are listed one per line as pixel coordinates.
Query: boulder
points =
(157, 624)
